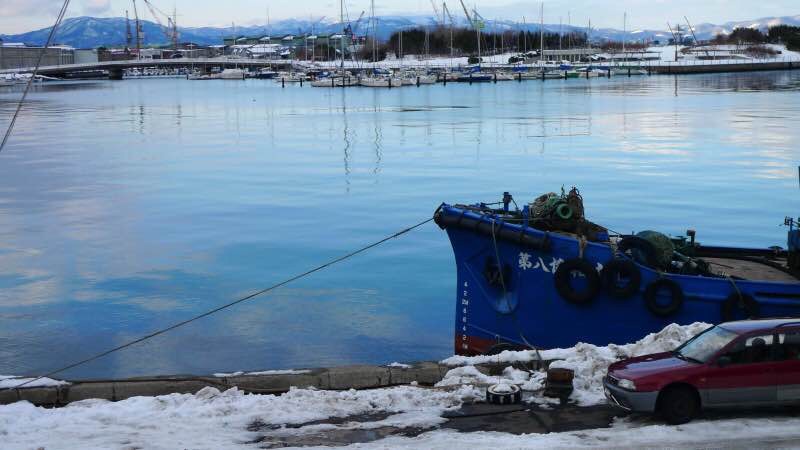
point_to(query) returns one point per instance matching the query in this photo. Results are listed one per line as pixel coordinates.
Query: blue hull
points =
(527, 309)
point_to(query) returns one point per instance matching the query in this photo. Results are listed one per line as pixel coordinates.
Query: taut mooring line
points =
(225, 306)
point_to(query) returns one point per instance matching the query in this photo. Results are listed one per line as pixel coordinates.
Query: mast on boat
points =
(541, 33)
(624, 33)
(344, 32)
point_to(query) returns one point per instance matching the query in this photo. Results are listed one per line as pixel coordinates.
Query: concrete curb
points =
(335, 378)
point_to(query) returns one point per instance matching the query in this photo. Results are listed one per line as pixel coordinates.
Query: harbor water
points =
(127, 206)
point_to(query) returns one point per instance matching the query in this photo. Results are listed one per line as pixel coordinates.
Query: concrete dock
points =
(335, 378)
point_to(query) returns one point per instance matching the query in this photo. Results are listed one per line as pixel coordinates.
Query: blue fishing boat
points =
(544, 276)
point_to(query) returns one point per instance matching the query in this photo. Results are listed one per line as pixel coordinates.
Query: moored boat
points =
(544, 276)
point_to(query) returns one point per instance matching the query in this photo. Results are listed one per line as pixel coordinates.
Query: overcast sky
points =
(24, 15)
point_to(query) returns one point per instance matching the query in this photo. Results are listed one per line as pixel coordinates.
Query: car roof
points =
(746, 326)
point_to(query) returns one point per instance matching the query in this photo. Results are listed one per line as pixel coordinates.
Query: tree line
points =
(779, 34)
(465, 41)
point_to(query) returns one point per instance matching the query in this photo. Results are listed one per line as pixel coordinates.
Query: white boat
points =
(383, 82)
(291, 77)
(227, 74)
(336, 81)
(503, 76)
(232, 74)
(554, 75)
(625, 71)
(415, 78)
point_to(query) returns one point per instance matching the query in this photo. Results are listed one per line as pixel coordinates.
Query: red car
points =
(745, 363)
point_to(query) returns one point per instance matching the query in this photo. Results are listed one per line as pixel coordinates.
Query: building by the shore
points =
(17, 55)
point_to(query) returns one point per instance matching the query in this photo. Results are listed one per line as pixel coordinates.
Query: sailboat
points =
(342, 78)
(377, 78)
(626, 69)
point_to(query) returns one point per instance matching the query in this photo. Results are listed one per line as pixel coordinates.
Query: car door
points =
(747, 378)
(787, 371)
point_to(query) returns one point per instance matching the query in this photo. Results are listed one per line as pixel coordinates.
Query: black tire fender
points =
(564, 287)
(651, 297)
(742, 302)
(621, 268)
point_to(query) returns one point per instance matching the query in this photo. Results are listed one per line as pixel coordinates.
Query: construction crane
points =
(475, 24)
(447, 11)
(437, 13)
(694, 36)
(354, 27)
(128, 33)
(171, 30)
(139, 34)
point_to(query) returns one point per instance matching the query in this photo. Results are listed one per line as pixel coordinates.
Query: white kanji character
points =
(544, 266)
(525, 261)
(556, 262)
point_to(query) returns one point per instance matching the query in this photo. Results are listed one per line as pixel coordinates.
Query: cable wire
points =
(33, 75)
(225, 306)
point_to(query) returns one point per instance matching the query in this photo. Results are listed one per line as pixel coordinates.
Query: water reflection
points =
(127, 206)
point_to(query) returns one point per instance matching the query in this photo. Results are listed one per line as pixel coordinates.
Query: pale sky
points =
(24, 15)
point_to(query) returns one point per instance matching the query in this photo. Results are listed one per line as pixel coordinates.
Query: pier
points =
(116, 69)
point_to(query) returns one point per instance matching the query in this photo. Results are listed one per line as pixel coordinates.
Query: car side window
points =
(788, 347)
(751, 350)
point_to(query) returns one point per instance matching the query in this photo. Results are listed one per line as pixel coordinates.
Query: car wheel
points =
(678, 405)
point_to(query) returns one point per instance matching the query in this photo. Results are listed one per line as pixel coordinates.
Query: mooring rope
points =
(33, 75)
(225, 306)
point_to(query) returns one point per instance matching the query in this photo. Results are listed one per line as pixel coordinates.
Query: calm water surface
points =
(127, 206)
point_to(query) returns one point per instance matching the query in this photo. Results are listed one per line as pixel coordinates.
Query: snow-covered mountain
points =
(90, 32)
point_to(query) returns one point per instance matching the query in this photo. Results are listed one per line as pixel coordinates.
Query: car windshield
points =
(703, 346)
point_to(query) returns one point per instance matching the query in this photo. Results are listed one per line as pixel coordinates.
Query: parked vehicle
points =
(735, 364)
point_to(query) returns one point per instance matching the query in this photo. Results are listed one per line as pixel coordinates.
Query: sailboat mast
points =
(138, 32)
(624, 33)
(541, 31)
(478, 29)
(344, 31)
(374, 35)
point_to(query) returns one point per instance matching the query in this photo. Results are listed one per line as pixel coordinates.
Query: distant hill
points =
(91, 32)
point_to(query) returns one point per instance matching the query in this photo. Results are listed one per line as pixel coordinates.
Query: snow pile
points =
(399, 365)
(8, 381)
(265, 372)
(588, 362)
(212, 419)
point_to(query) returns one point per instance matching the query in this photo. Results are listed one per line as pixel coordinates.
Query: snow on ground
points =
(778, 432)
(588, 362)
(7, 381)
(265, 372)
(211, 419)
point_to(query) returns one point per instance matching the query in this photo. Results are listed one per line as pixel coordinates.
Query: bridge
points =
(116, 69)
